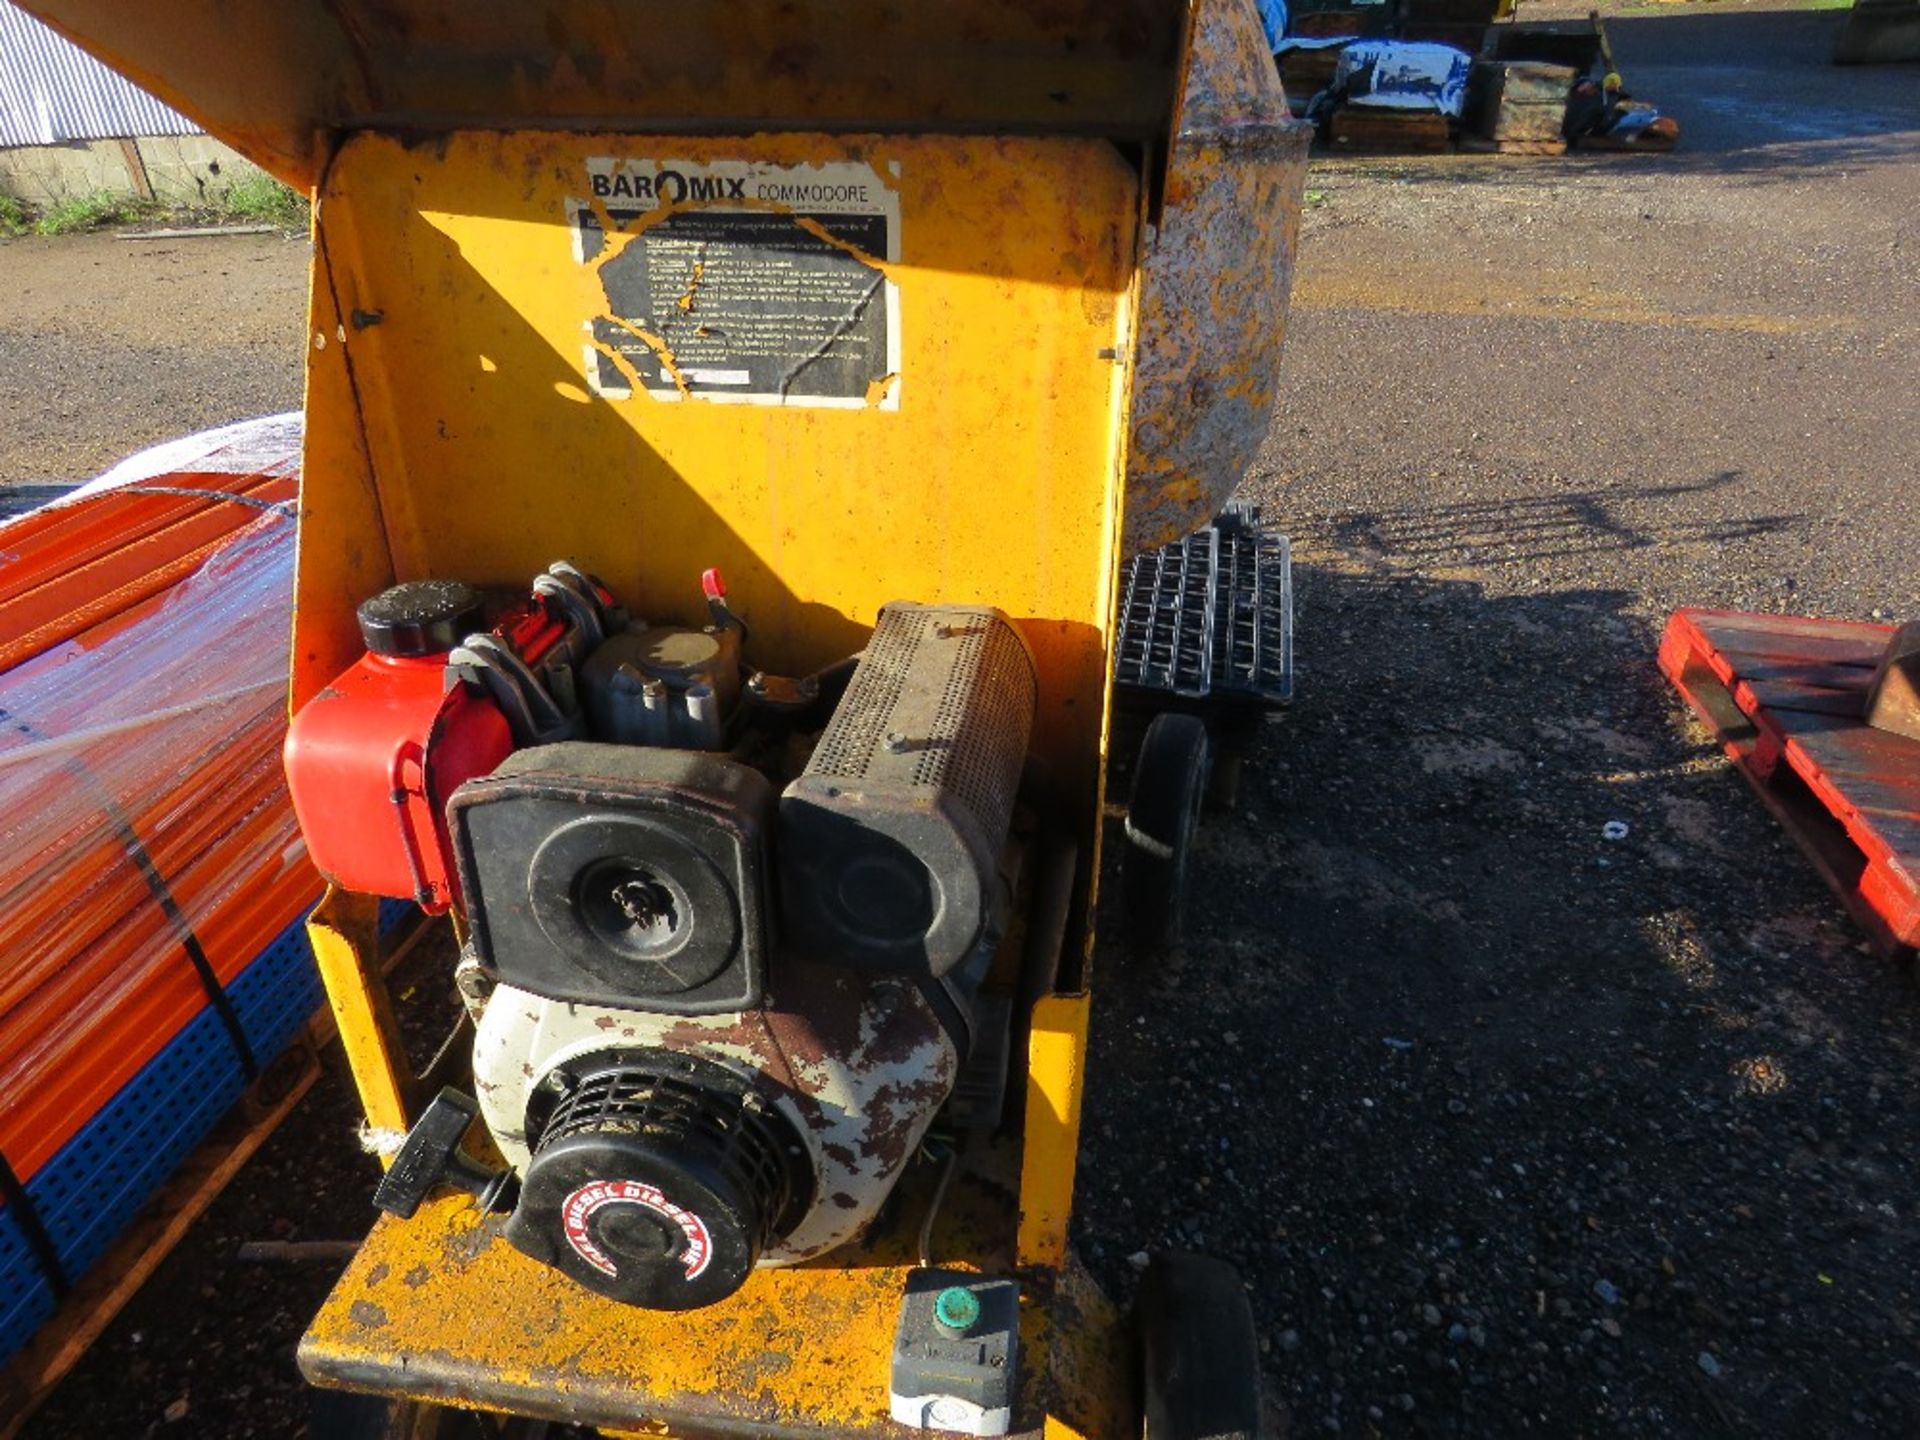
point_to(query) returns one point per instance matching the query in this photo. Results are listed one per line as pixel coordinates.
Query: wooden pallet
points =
(1784, 695)
(1517, 107)
(1305, 73)
(1382, 129)
(99, 1298)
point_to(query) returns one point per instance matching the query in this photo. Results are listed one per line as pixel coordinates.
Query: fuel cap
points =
(420, 618)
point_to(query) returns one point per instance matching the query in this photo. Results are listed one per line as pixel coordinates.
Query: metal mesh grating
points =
(96, 1182)
(970, 746)
(25, 1298)
(937, 759)
(1210, 615)
(1167, 617)
(861, 717)
(280, 990)
(1253, 631)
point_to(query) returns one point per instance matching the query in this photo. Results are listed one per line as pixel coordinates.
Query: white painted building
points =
(51, 91)
(70, 127)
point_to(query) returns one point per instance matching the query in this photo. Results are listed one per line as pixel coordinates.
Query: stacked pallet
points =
(1364, 129)
(1517, 107)
(1789, 700)
(154, 880)
(1310, 54)
(1394, 95)
(1305, 72)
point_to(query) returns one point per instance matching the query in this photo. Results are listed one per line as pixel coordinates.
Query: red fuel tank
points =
(372, 759)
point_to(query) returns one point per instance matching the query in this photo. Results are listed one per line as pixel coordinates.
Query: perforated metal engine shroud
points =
(890, 840)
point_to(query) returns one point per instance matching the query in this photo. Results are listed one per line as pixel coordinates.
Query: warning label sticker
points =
(745, 283)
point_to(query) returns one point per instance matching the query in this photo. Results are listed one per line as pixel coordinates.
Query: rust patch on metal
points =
(1215, 286)
(367, 1315)
(800, 1351)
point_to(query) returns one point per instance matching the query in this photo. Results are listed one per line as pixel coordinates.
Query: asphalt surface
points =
(1513, 1128)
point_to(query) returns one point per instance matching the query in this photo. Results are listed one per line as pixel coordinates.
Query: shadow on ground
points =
(1513, 1127)
(1757, 91)
(1530, 529)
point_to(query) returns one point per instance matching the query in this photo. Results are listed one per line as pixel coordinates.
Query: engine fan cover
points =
(659, 1179)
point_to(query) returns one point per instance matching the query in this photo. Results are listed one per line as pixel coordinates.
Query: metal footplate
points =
(1210, 616)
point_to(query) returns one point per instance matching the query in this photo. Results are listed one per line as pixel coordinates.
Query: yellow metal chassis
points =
(444, 385)
(454, 429)
(440, 1308)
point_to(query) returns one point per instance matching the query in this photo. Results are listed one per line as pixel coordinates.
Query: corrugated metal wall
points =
(51, 91)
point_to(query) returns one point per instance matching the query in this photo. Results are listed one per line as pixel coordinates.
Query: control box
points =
(956, 1353)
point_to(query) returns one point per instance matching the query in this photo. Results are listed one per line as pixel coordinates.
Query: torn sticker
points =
(738, 282)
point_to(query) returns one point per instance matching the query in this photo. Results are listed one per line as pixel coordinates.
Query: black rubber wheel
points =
(1199, 1356)
(1169, 786)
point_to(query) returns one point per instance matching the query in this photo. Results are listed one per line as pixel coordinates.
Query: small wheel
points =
(1199, 1356)
(1169, 785)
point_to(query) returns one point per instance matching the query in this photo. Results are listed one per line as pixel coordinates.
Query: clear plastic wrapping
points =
(148, 839)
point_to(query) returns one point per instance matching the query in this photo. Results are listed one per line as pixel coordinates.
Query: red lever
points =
(713, 583)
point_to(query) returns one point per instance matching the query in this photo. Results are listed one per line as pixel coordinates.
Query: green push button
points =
(956, 1309)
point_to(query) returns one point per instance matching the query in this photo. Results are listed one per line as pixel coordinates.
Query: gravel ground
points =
(1513, 1128)
(109, 345)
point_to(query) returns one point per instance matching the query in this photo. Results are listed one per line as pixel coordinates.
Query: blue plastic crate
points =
(26, 1300)
(96, 1183)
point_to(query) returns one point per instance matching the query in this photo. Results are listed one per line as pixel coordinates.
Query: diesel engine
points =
(728, 935)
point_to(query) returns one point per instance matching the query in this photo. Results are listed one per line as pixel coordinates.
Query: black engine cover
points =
(619, 875)
(659, 1179)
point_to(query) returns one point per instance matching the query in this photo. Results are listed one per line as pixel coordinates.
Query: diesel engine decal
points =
(589, 1200)
(738, 282)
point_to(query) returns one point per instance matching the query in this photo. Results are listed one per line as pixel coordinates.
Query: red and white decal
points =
(582, 1205)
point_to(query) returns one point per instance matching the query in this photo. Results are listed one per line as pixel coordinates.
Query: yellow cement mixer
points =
(730, 429)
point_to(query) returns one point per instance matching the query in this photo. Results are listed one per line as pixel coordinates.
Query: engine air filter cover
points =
(890, 840)
(618, 875)
(659, 1179)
